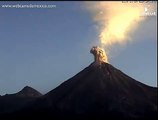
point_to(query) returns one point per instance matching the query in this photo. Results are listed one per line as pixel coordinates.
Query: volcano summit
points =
(100, 91)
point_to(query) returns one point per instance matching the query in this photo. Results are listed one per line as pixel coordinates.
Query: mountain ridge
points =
(28, 91)
(98, 91)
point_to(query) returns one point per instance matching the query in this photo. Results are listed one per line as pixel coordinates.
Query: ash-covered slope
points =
(98, 91)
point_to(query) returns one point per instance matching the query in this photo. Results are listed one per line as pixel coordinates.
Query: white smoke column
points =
(116, 20)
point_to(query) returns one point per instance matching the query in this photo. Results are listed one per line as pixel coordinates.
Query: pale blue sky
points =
(42, 48)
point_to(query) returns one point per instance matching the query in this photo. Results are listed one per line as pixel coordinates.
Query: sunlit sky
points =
(42, 48)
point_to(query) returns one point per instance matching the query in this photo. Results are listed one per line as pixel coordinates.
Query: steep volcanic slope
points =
(98, 91)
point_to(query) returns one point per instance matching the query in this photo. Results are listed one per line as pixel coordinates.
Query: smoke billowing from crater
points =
(116, 20)
(99, 55)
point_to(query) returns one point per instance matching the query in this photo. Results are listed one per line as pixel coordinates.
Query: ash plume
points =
(99, 55)
(117, 20)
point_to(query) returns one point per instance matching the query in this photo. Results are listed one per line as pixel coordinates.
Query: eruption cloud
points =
(99, 55)
(116, 20)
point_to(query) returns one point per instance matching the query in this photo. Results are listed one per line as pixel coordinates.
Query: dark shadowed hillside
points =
(12, 102)
(98, 91)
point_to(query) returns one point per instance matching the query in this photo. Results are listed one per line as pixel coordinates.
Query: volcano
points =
(100, 91)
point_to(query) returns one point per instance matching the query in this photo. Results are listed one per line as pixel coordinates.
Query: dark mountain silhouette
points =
(99, 91)
(28, 92)
(12, 102)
